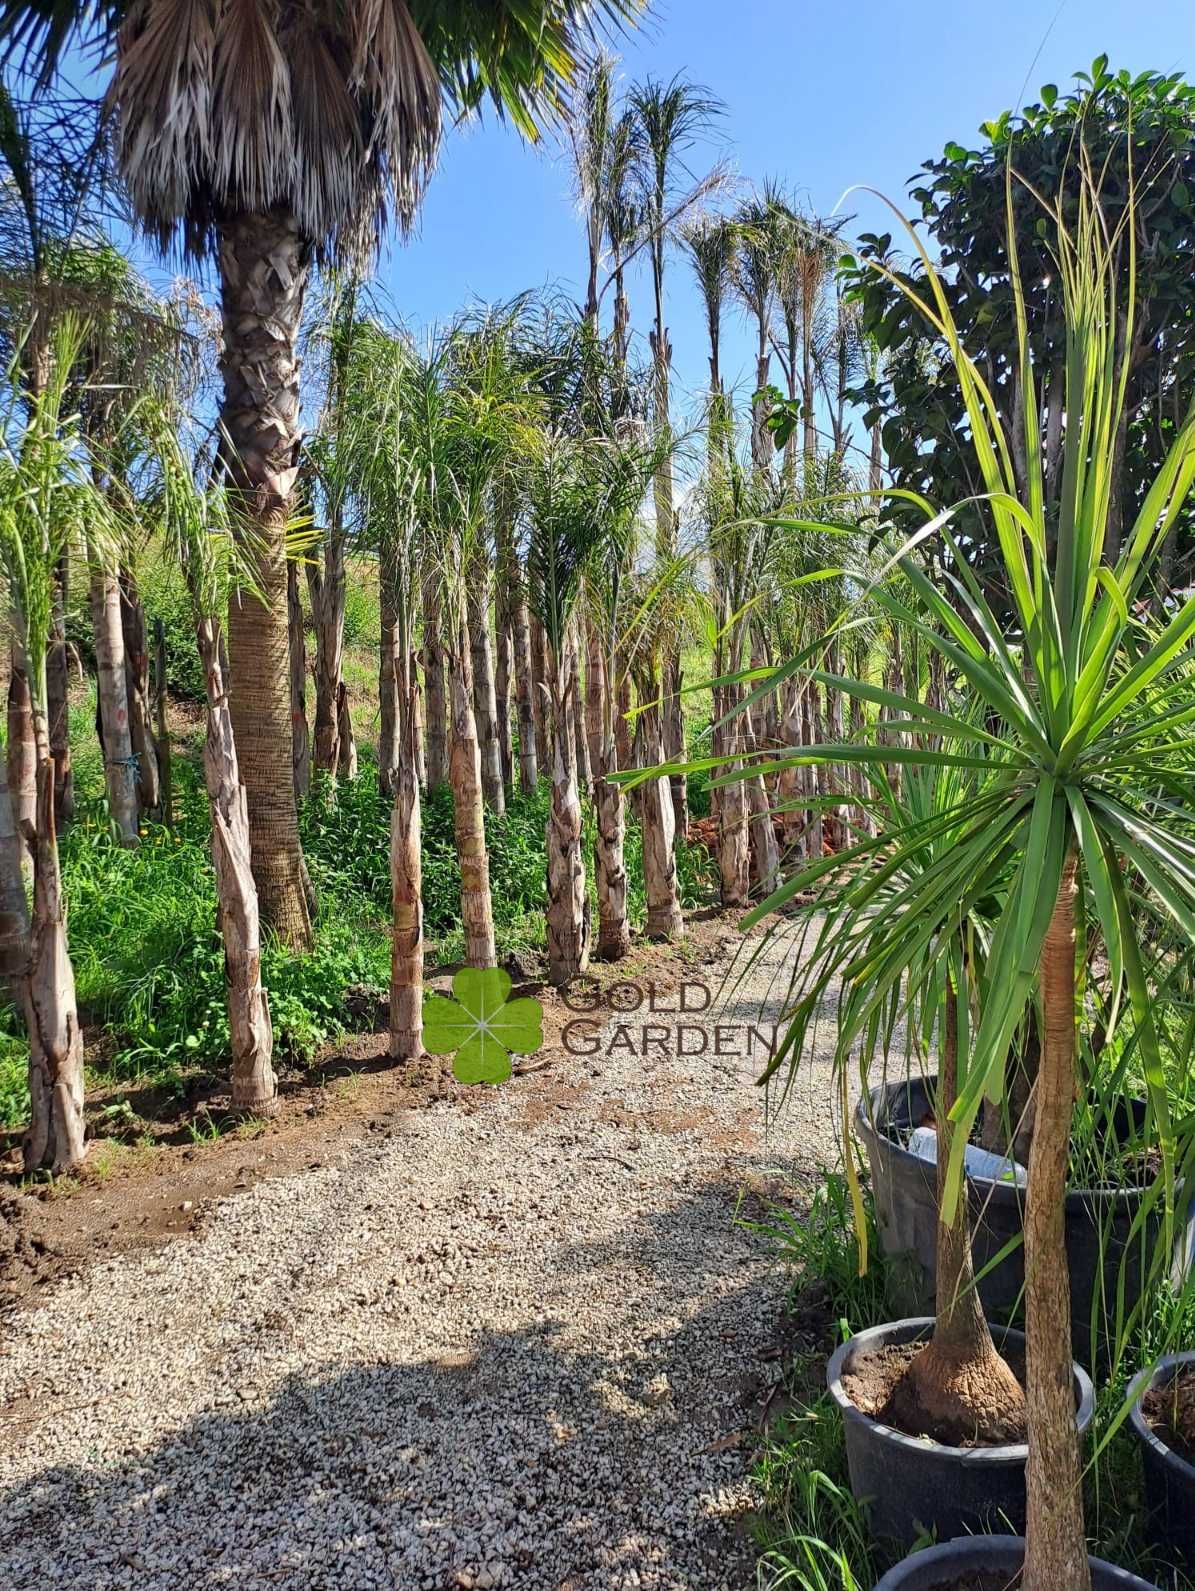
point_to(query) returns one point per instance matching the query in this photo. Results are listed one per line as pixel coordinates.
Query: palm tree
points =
(47, 497)
(1076, 728)
(198, 525)
(272, 137)
(671, 118)
(758, 223)
(711, 242)
(388, 487)
(806, 250)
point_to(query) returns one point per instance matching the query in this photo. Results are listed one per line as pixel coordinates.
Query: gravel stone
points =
(502, 1349)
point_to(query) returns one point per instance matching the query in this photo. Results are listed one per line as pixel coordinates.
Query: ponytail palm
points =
(1069, 812)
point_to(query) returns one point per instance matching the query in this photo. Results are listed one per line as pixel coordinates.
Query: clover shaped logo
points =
(482, 1026)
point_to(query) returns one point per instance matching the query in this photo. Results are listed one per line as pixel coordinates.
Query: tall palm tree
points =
(47, 497)
(197, 522)
(671, 117)
(272, 136)
(759, 223)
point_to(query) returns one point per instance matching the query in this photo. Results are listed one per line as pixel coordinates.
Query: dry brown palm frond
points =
(330, 111)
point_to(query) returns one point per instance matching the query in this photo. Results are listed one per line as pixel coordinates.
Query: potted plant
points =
(1067, 824)
(1163, 1421)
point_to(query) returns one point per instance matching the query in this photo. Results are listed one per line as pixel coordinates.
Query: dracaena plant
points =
(1071, 819)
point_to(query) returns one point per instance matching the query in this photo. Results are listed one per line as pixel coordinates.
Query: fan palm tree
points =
(271, 137)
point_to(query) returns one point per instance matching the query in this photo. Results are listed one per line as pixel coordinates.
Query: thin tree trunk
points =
(264, 266)
(436, 715)
(539, 676)
(14, 907)
(524, 693)
(406, 876)
(464, 772)
(55, 1140)
(614, 933)
(416, 719)
(505, 595)
(165, 767)
(575, 716)
(390, 668)
(1056, 1553)
(664, 917)
(734, 838)
(300, 734)
(21, 755)
(673, 720)
(254, 1085)
(764, 851)
(136, 667)
(567, 914)
(120, 765)
(57, 704)
(485, 707)
(346, 741)
(958, 1384)
(327, 590)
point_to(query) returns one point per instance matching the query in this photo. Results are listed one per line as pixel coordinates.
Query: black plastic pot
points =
(1169, 1479)
(941, 1567)
(1100, 1241)
(911, 1484)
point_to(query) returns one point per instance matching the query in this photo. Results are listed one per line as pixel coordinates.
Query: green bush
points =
(164, 596)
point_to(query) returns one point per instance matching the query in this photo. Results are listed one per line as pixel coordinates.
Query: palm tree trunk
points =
(57, 693)
(136, 667)
(162, 738)
(464, 773)
(524, 695)
(300, 734)
(435, 718)
(406, 877)
(327, 591)
(1056, 1553)
(264, 266)
(575, 716)
(664, 917)
(539, 677)
(958, 1386)
(568, 907)
(21, 755)
(764, 851)
(485, 706)
(55, 1140)
(614, 933)
(505, 595)
(389, 668)
(14, 907)
(120, 765)
(254, 1085)
(346, 741)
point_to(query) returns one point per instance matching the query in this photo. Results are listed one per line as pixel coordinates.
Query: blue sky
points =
(821, 96)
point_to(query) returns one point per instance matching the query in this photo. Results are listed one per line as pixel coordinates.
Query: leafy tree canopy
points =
(1134, 135)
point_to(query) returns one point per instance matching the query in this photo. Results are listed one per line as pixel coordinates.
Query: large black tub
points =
(910, 1484)
(1102, 1248)
(944, 1566)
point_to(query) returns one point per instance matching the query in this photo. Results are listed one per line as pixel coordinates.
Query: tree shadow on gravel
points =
(557, 1456)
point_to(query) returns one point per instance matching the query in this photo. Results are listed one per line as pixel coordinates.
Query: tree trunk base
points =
(959, 1397)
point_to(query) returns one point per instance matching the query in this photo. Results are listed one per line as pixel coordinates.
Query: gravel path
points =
(501, 1348)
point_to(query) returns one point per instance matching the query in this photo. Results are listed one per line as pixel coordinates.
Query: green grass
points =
(812, 1534)
(148, 958)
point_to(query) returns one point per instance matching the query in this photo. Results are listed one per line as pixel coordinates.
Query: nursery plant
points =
(1069, 823)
